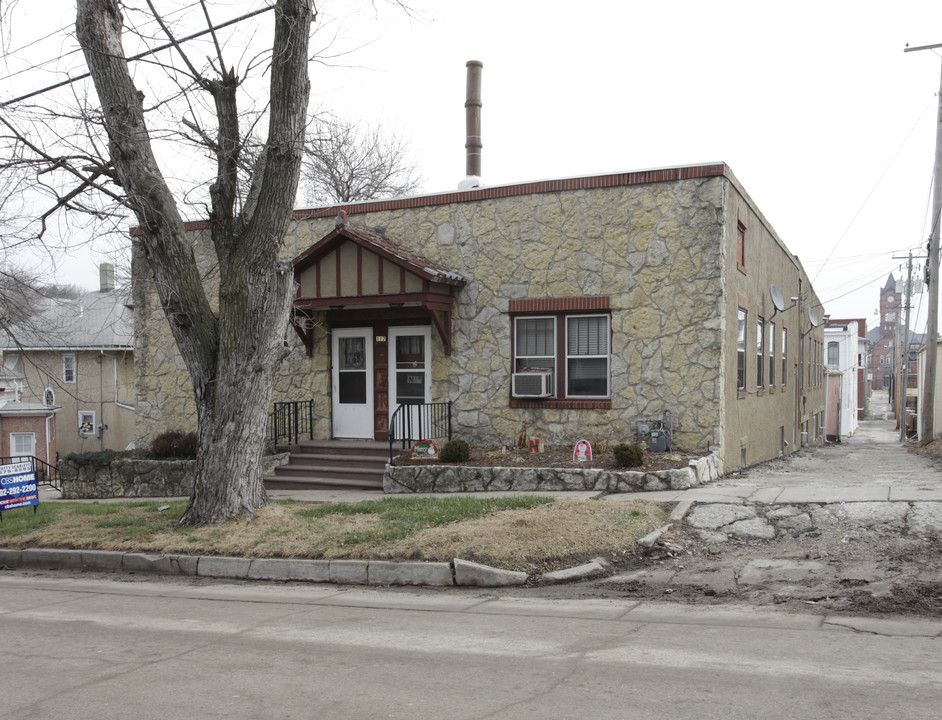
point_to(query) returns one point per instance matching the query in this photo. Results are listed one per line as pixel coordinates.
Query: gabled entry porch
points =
(385, 312)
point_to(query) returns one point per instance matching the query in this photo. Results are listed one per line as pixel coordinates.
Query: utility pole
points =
(927, 402)
(903, 349)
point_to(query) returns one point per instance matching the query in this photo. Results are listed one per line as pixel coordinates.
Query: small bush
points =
(455, 451)
(175, 444)
(628, 455)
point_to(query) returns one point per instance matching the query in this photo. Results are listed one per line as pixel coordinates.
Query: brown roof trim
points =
(590, 182)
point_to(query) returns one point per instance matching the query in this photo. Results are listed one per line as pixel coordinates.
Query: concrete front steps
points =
(332, 465)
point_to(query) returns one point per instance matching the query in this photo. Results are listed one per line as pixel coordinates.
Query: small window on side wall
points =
(68, 368)
(86, 423)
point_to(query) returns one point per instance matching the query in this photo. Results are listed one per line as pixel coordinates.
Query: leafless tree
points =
(244, 145)
(230, 358)
(349, 162)
(22, 295)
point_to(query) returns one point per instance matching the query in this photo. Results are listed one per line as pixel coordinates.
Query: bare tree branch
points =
(347, 163)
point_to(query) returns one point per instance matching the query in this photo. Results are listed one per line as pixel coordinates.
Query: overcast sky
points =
(823, 118)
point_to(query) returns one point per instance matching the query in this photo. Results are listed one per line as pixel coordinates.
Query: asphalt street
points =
(109, 649)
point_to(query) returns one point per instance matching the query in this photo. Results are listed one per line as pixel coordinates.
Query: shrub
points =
(628, 455)
(175, 444)
(455, 451)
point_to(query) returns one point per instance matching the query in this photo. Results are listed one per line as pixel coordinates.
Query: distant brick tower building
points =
(881, 363)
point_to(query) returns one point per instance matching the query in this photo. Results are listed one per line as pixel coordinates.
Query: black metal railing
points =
(46, 474)
(291, 421)
(413, 422)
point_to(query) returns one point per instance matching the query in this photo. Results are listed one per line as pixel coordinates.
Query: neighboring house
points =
(862, 351)
(77, 355)
(562, 310)
(843, 356)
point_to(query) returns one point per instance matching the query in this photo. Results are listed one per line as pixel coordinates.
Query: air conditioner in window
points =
(532, 384)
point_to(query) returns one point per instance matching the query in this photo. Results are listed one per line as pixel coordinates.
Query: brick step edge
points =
(459, 573)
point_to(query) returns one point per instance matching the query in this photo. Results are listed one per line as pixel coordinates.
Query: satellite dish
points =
(813, 317)
(778, 300)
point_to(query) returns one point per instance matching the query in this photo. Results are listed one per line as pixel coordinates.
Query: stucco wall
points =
(656, 250)
(103, 382)
(762, 422)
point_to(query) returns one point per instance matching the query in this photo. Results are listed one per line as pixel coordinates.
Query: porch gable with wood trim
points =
(356, 268)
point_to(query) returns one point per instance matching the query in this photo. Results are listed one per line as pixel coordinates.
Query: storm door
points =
(410, 377)
(352, 383)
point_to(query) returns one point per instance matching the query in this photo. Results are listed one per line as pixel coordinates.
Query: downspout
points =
(50, 416)
(101, 400)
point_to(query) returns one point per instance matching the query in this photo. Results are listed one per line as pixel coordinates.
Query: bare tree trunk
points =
(231, 359)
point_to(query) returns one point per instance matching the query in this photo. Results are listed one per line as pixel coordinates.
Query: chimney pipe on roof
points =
(473, 143)
(106, 277)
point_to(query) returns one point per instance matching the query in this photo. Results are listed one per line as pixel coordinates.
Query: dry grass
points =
(534, 536)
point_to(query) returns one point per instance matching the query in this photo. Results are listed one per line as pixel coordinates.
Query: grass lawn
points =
(528, 533)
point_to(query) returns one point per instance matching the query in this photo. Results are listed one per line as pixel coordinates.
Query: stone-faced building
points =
(564, 309)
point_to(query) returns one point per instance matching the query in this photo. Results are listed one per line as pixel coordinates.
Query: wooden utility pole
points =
(903, 349)
(927, 402)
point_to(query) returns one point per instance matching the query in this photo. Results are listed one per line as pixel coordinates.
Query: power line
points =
(140, 56)
(870, 194)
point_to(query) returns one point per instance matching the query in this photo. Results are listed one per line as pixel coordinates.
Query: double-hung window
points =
(587, 356)
(784, 354)
(834, 353)
(566, 339)
(741, 351)
(68, 368)
(771, 355)
(535, 342)
(760, 355)
(23, 444)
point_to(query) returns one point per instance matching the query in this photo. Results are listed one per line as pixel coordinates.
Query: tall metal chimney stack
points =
(473, 145)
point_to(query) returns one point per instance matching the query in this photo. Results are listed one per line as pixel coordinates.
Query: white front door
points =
(352, 382)
(410, 373)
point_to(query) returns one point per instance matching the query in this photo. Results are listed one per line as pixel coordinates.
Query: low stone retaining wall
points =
(134, 477)
(127, 478)
(458, 478)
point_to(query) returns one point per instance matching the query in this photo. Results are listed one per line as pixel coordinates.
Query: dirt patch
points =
(561, 457)
(828, 567)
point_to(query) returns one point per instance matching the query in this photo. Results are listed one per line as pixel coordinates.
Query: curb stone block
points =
(183, 564)
(289, 569)
(680, 510)
(142, 562)
(580, 572)
(51, 559)
(652, 537)
(231, 567)
(410, 573)
(475, 574)
(11, 558)
(349, 572)
(102, 560)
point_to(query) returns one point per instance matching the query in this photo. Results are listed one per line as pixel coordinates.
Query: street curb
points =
(457, 573)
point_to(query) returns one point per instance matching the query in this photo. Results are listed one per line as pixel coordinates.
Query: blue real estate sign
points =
(18, 486)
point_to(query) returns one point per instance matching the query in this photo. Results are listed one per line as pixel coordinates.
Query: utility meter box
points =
(658, 442)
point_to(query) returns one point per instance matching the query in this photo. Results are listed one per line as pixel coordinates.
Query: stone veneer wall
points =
(135, 477)
(458, 478)
(656, 250)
